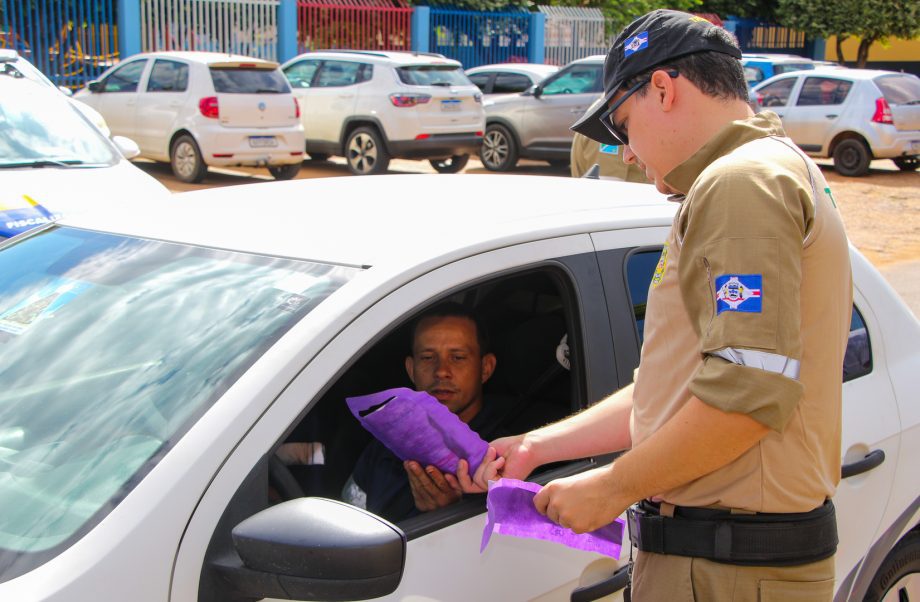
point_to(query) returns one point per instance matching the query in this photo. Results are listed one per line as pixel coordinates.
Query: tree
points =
(620, 13)
(764, 10)
(870, 21)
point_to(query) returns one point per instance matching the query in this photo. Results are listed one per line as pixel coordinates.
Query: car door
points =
(117, 97)
(558, 103)
(159, 105)
(301, 75)
(811, 118)
(333, 97)
(442, 560)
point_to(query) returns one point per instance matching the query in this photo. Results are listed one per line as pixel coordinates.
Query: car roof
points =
(594, 58)
(777, 58)
(207, 58)
(381, 57)
(533, 68)
(835, 73)
(398, 220)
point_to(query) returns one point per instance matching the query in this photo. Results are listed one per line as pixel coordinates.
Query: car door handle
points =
(175, 104)
(605, 587)
(346, 95)
(831, 116)
(872, 460)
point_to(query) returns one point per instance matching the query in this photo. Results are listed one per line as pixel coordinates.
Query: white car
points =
(54, 162)
(370, 107)
(196, 109)
(156, 360)
(509, 78)
(852, 115)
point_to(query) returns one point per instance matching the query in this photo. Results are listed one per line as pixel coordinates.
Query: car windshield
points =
(40, 127)
(433, 75)
(113, 347)
(244, 80)
(899, 89)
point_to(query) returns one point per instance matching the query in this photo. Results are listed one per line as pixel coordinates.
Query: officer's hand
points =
(431, 489)
(489, 470)
(582, 502)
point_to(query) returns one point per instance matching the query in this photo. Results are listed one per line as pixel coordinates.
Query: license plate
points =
(452, 104)
(262, 141)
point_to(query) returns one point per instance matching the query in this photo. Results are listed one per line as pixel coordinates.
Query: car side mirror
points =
(95, 86)
(537, 91)
(314, 549)
(127, 147)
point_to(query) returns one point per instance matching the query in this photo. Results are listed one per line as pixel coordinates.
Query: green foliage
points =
(620, 13)
(751, 9)
(480, 5)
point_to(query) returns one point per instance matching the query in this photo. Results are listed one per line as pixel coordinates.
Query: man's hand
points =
(431, 489)
(583, 502)
(510, 457)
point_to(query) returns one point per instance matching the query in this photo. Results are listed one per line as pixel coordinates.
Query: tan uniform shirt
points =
(749, 310)
(587, 152)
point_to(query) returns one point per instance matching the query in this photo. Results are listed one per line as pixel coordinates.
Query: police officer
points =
(733, 422)
(586, 153)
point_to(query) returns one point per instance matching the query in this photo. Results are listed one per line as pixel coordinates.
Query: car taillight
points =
(409, 100)
(296, 109)
(759, 98)
(208, 107)
(882, 112)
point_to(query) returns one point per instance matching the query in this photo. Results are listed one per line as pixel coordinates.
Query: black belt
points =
(763, 539)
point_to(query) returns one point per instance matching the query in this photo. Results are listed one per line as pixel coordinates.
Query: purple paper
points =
(416, 426)
(511, 512)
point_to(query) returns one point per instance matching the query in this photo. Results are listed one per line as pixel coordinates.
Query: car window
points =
(753, 75)
(481, 79)
(334, 74)
(301, 73)
(577, 79)
(507, 83)
(168, 76)
(857, 361)
(433, 75)
(113, 347)
(787, 67)
(248, 80)
(899, 89)
(823, 91)
(777, 93)
(125, 78)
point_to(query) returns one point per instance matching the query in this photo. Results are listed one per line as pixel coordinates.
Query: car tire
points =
(851, 157)
(185, 158)
(284, 172)
(907, 163)
(318, 156)
(451, 164)
(499, 150)
(365, 152)
(899, 571)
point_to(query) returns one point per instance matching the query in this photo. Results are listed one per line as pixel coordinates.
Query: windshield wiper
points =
(45, 163)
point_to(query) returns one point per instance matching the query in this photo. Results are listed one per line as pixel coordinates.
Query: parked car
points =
(852, 115)
(54, 162)
(12, 63)
(758, 67)
(200, 109)
(140, 421)
(509, 78)
(535, 124)
(370, 107)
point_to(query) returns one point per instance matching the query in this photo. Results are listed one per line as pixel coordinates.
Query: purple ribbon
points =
(511, 512)
(416, 426)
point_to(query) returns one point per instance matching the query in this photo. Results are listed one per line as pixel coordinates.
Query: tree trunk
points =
(863, 55)
(840, 39)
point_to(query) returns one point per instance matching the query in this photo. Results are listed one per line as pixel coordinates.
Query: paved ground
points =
(881, 210)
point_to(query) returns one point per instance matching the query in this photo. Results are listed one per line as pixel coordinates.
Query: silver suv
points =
(373, 106)
(535, 123)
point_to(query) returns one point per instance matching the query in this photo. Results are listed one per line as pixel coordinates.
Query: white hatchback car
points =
(370, 107)
(156, 360)
(196, 109)
(852, 115)
(509, 78)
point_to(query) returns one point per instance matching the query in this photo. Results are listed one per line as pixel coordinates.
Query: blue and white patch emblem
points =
(609, 149)
(636, 43)
(739, 292)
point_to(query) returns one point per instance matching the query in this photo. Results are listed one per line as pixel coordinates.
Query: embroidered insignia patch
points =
(739, 292)
(609, 149)
(661, 267)
(636, 43)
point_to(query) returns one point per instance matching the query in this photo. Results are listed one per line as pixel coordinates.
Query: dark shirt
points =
(380, 474)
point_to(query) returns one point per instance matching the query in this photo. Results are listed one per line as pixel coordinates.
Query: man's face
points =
(446, 362)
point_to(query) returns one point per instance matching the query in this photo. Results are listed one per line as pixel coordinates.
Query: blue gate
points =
(70, 41)
(480, 38)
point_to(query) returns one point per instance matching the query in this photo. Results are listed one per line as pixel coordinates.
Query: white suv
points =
(373, 106)
(196, 109)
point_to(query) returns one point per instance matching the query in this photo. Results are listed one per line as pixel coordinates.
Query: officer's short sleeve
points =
(740, 272)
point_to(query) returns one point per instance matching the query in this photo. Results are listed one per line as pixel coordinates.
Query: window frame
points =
(121, 68)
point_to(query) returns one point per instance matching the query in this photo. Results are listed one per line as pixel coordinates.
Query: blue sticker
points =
(609, 149)
(636, 43)
(739, 292)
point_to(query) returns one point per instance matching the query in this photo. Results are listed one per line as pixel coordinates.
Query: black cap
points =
(653, 39)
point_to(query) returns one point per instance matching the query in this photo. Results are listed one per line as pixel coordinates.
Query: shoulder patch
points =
(739, 292)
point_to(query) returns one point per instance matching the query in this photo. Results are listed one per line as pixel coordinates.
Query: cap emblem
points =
(636, 43)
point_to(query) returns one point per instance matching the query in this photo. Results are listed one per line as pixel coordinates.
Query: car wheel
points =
(186, 160)
(284, 172)
(851, 158)
(450, 165)
(365, 152)
(899, 576)
(499, 150)
(907, 163)
(318, 156)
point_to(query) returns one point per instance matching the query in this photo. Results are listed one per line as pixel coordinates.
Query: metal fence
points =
(354, 24)
(755, 36)
(480, 38)
(71, 41)
(573, 32)
(247, 27)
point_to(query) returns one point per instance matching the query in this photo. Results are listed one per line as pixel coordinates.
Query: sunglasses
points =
(607, 116)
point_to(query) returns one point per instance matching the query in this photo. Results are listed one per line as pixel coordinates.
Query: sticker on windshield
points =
(41, 304)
